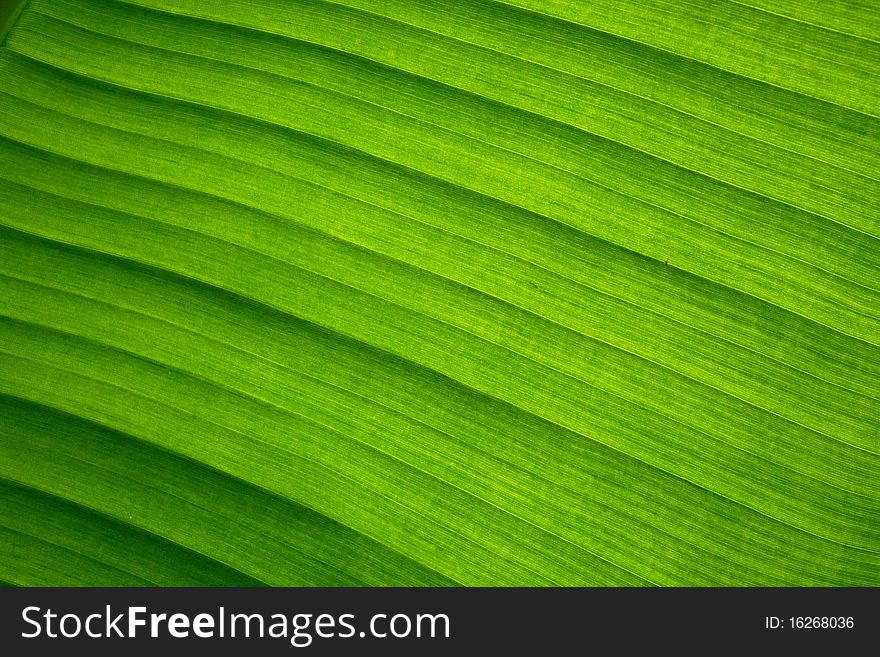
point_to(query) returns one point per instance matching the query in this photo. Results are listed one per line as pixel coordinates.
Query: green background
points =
(440, 293)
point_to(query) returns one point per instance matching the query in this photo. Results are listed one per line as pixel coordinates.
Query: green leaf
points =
(429, 293)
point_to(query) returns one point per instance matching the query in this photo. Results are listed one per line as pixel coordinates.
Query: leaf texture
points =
(477, 293)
